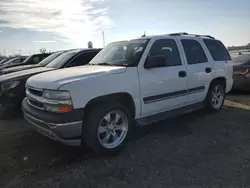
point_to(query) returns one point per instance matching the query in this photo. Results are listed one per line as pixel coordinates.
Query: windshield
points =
(50, 58)
(27, 59)
(3, 60)
(124, 53)
(9, 61)
(62, 59)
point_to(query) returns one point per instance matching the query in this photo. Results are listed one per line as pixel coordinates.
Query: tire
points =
(97, 121)
(210, 101)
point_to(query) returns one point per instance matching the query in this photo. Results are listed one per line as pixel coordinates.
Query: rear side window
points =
(167, 48)
(217, 50)
(194, 52)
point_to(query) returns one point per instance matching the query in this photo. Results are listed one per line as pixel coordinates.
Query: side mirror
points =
(155, 62)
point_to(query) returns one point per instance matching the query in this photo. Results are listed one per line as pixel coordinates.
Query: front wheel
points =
(107, 127)
(215, 97)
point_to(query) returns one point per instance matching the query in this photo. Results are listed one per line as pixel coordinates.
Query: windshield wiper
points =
(105, 64)
(109, 64)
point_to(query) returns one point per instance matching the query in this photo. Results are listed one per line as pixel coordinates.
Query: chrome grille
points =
(34, 97)
(36, 104)
(34, 91)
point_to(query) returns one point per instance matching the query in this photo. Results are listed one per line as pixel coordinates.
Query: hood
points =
(57, 78)
(18, 68)
(24, 73)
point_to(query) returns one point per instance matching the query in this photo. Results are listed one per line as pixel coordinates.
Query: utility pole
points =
(103, 39)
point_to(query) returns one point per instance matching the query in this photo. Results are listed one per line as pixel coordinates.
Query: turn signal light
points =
(64, 109)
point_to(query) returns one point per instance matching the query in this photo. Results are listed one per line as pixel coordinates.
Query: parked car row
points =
(12, 61)
(13, 81)
(139, 81)
(23, 60)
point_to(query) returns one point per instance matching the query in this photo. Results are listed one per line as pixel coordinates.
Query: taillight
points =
(241, 72)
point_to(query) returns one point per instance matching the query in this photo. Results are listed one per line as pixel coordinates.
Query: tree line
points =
(42, 50)
(243, 47)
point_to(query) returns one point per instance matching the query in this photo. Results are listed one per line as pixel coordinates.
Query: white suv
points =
(145, 79)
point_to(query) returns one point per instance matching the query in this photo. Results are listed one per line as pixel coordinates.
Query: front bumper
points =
(65, 128)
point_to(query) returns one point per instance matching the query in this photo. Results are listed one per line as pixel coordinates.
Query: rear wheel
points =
(215, 97)
(106, 128)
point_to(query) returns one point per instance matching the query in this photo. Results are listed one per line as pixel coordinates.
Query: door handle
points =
(182, 74)
(208, 70)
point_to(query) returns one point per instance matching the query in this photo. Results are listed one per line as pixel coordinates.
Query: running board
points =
(169, 114)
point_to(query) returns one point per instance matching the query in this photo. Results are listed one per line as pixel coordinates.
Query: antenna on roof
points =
(144, 35)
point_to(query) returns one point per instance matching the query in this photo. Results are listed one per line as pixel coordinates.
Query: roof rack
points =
(188, 34)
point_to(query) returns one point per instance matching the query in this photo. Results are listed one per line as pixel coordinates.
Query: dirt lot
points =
(194, 150)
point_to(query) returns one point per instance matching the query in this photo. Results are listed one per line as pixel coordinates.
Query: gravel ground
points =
(193, 150)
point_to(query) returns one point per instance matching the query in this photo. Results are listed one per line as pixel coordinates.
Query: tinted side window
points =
(194, 52)
(82, 59)
(167, 48)
(217, 50)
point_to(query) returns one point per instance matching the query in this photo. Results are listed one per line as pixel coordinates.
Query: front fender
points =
(83, 91)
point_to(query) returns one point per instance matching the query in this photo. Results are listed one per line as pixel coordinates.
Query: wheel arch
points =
(121, 97)
(220, 79)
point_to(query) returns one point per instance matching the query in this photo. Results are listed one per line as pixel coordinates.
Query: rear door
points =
(198, 70)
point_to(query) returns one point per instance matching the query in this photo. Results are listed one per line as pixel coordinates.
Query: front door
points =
(163, 87)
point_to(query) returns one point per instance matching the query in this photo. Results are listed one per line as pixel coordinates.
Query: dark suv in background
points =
(241, 74)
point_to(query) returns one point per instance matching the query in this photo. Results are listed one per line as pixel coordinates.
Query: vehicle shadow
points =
(10, 113)
(173, 127)
(31, 153)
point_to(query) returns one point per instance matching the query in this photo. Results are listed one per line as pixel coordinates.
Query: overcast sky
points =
(28, 25)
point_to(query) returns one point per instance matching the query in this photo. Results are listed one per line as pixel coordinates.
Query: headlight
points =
(56, 94)
(57, 101)
(9, 85)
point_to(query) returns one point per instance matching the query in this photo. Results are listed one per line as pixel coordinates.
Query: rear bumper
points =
(65, 128)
